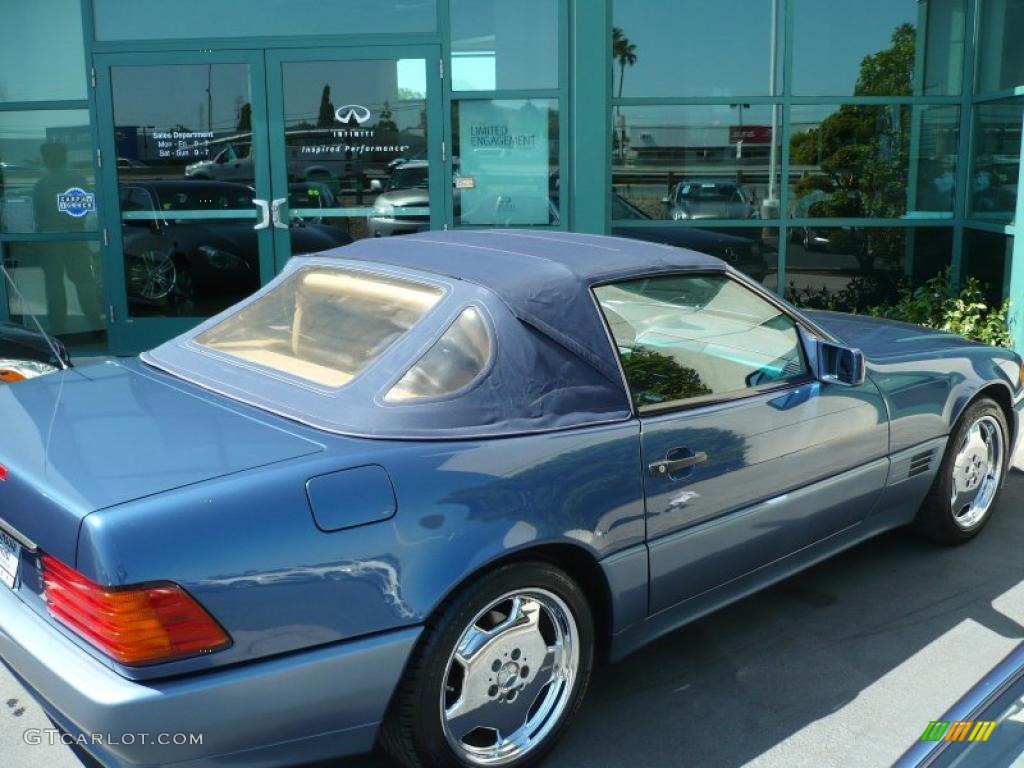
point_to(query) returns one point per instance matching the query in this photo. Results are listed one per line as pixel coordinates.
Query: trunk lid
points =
(85, 439)
(880, 339)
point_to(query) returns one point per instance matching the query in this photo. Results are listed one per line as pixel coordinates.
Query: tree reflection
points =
(325, 115)
(862, 150)
(624, 52)
(657, 378)
(861, 154)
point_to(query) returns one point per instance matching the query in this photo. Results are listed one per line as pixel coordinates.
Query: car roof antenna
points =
(24, 305)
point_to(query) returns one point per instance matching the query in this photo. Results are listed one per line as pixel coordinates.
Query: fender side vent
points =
(920, 463)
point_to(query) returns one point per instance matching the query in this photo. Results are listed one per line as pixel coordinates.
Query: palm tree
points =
(623, 52)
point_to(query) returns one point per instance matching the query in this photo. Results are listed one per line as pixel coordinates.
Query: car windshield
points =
(408, 178)
(324, 325)
(718, 193)
(205, 197)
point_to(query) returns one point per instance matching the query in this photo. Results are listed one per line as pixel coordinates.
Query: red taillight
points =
(133, 625)
(3, 473)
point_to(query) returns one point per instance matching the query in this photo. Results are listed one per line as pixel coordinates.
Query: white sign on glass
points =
(504, 148)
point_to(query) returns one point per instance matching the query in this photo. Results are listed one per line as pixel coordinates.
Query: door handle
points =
(668, 467)
(264, 207)
(275, 215)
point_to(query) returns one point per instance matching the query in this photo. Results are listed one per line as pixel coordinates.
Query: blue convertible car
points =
(413, 489)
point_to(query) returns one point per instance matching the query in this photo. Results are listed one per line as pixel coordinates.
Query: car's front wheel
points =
(965, 490)
(498, 674)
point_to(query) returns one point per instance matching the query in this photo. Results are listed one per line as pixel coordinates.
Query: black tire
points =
(182, 299)
(935, 519)
(413, 734)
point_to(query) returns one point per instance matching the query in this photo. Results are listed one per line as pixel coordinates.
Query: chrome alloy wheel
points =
(510, 677)
(152, 275)
(977, 472)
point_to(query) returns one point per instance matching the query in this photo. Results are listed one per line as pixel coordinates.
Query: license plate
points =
(10, 556)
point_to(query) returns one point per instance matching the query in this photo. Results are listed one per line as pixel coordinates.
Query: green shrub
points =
(939, 304)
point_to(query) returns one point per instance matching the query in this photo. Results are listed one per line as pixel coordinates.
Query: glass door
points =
(186, 188)
(356, 140)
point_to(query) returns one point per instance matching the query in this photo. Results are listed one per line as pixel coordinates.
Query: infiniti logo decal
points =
(346, 113)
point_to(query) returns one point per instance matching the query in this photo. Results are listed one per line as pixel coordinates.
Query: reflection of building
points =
(870, 144)
(708, 143)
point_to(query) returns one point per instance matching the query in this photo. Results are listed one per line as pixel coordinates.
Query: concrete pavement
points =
(843, 665)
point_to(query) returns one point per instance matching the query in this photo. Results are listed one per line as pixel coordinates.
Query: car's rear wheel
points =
(970, 477)
(498, 674)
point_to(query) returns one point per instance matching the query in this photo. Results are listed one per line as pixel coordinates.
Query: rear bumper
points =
(307, 706)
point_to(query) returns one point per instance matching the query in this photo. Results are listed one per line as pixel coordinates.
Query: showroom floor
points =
(843, 665)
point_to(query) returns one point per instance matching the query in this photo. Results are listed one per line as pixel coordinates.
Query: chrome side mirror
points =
(838, 364)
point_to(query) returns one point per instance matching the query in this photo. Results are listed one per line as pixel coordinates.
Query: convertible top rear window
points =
(322, 324)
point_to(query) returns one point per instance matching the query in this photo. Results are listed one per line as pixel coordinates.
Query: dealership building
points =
(161, 160)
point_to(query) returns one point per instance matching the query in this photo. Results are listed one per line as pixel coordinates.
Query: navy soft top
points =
(554, 365)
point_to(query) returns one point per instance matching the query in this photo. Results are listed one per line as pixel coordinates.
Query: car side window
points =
(135, 199)
(454, 362)
(682, 337)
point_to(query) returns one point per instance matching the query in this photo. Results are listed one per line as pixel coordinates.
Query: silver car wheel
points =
(977, 472)
(510, 677)
(152, 275)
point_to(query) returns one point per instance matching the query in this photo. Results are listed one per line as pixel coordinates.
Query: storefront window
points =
(1000, 54)
(355, 135)
(504, 46)
(61, 284)
(678, 48)
(996, 163)
(189, 19)
(687, 163)
(506, 162)
(986, 258)
(851, 269)
(877, 47)
(873, 161)
(47, 182)
(185, 153)
(41, 51)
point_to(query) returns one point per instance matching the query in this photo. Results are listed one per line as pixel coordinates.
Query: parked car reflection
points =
(307, 160)
(403, 208)
(191, 267)
(706, 199)
(744, 253)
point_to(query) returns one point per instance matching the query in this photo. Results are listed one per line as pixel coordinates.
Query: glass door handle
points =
(264, 207)
(276, 213)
